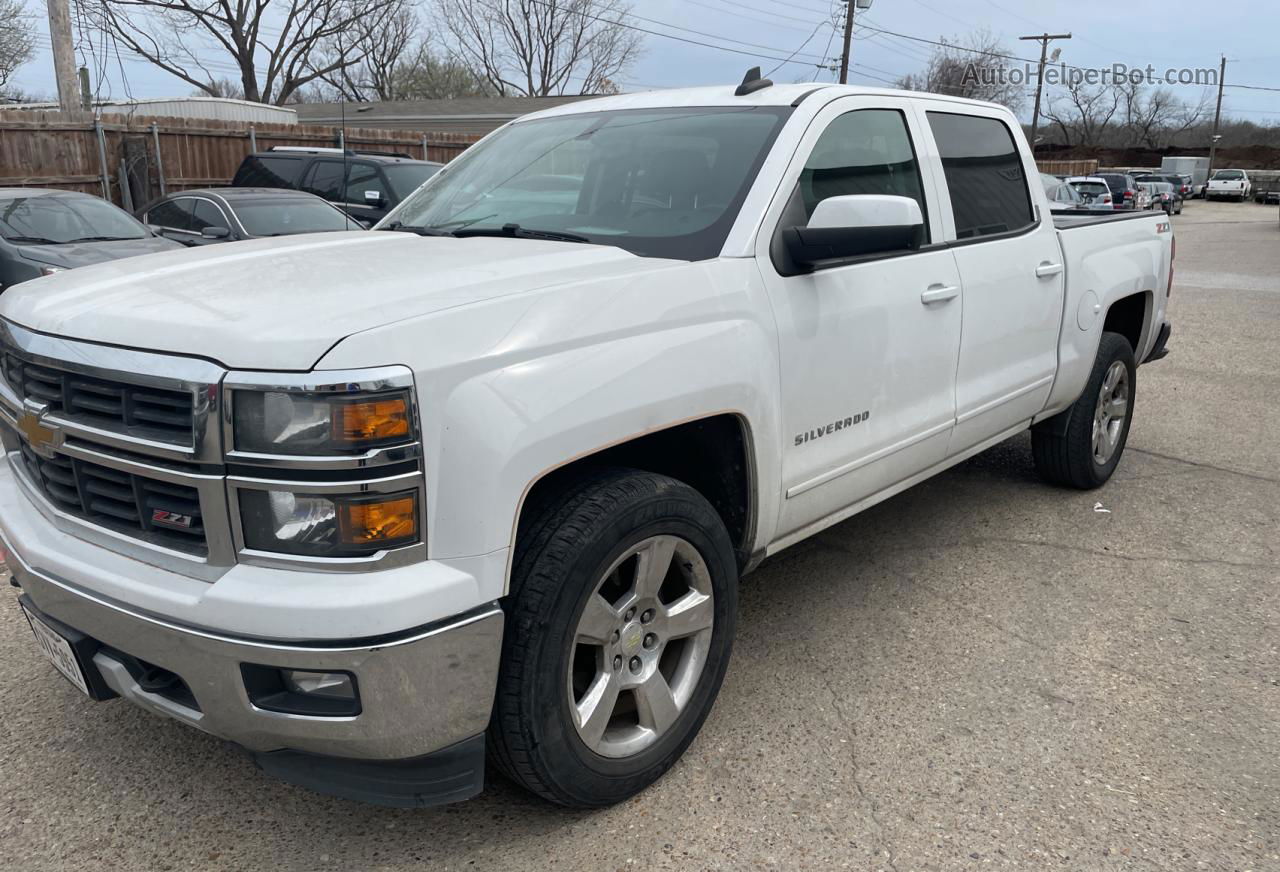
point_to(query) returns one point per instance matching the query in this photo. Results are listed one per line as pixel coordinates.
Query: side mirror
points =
(215, 232)
(855, 225)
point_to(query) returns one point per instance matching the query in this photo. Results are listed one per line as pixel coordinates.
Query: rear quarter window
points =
(266, 171)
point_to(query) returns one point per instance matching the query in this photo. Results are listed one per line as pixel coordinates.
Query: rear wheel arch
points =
(1131, 317)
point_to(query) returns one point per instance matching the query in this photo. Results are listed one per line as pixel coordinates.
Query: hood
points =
(78, 254)
(280, 304)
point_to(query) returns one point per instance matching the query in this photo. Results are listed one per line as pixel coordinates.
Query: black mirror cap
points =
(215, 232)
(811, 246)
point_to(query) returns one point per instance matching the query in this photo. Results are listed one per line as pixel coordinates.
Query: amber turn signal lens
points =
(389, 521)
(371, 421)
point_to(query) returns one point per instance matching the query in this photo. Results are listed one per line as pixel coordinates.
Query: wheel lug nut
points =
(647, 616)
(616, 636)
(635, 664)
(617, 662)
(631, 613)
(650, 640)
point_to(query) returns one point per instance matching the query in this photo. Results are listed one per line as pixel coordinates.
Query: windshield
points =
(1228, 175)
(285, 217)
(404, 179)
(54, 220)
(656, 182)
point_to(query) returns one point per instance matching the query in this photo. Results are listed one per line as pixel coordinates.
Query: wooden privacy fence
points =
(132, 159)
(1068, 167)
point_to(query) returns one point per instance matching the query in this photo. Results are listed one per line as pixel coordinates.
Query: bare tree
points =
(542, 47)
(17, 42)
(973, 66)
(428, 75)
(1082, 113)
(270, 45)
(384, 42)
(1153, 117)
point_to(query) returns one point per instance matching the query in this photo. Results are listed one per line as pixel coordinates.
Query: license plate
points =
(58, 650)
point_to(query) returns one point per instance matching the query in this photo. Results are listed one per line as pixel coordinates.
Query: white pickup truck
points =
(1229, 184)
(480, 484)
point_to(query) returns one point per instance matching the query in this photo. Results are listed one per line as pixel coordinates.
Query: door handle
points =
(939, 294)
(1046, 269)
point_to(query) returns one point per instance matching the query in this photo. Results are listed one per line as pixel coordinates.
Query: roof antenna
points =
(751, 82)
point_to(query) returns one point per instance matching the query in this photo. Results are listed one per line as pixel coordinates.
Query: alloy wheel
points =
(1110, 413)
(640, 646)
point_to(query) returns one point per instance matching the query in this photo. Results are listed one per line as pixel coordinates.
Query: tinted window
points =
(989, 193)
(259, 171)
(864, 152)
(662, 182)
(173, 214)
(406, 178)
(284, 217)
(325, 179)
(205, 214)
(1228, 175)
(364, 184)
(1117, 184)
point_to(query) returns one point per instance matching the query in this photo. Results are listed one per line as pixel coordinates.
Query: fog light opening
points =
(307, 692)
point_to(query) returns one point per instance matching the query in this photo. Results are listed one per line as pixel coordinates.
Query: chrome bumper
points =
(420, 691)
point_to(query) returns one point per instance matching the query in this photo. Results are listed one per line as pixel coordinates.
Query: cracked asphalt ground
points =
(981, 673)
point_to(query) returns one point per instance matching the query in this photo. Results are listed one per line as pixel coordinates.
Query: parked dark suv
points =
(365, 185)
(1123, 188)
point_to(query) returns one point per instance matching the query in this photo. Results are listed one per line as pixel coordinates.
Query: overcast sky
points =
(1164, 33)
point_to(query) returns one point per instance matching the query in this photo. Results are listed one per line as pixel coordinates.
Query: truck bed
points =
(1064, 221)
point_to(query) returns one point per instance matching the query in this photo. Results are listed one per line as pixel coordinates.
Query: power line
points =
(736, 7)
(821, 24)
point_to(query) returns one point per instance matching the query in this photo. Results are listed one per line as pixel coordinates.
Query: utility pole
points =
(64, 59)
(1217, 117)
(848, 38)
(1044, 39)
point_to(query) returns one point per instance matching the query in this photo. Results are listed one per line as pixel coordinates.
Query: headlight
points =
(328, 526)
(287, 422)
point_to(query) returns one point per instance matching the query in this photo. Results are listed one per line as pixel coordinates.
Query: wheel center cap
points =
(632, 639)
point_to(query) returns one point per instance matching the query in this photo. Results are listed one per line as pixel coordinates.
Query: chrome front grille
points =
(129, 503)
(133, 451)
(150, 412)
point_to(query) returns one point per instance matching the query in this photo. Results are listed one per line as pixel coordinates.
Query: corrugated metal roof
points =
(482, 109)
(210, 108)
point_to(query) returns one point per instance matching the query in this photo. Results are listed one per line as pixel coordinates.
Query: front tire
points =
(1082, 446)
(620, 625)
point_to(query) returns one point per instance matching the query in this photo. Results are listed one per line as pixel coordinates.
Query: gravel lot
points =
(981, 673)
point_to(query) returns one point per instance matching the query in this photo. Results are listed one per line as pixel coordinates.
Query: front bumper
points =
(425, 694)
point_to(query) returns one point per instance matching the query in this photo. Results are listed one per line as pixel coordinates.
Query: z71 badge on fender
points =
(828, 429)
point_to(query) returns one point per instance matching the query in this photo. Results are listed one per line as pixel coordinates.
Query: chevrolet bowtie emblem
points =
(43, 439)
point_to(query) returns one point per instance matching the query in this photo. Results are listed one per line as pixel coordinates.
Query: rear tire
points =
(1081, 446)
(619, 628)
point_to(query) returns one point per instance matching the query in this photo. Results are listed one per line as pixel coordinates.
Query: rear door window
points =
(983, 168)
(172, 214)
(325, 179)
(205, 214)
(365, 184)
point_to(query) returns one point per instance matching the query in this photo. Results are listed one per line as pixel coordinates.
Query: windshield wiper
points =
(414, 228)
(105, 239)
(515, 230)
(33, 240)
